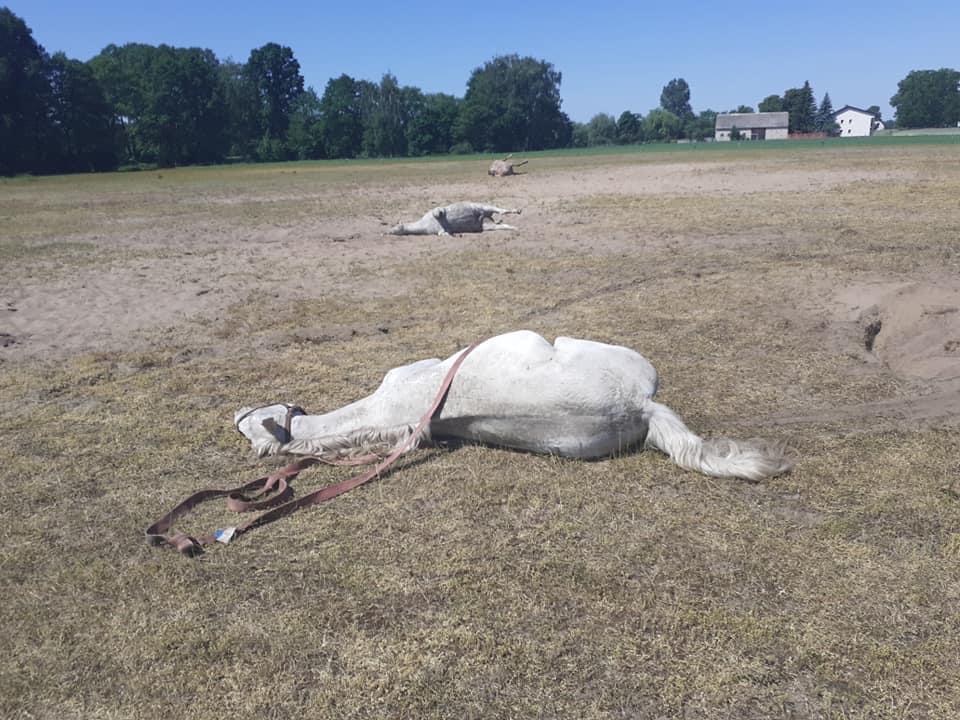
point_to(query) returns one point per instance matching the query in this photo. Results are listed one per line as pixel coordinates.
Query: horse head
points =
(267, 427)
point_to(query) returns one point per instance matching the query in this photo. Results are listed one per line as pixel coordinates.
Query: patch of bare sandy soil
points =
(912, 327)
(909, 329)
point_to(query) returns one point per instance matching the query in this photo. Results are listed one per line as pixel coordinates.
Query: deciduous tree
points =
(701, 127)
(341, 118)
(928, 98)
(243, 111)
(513, 103)
(771, 103)
(83, 132)
(305, 133)
(171, 103)
(24, 96)
(432, 120)
(124, 73)
(274, 73)
(629, 128)
(384, 116)
(661, 126)
(580, 135)
(675, 98)
(602, 130)
(185, 114)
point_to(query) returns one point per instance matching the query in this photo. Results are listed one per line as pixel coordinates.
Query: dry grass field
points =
(803, 293)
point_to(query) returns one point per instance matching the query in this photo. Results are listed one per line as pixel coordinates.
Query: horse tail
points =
(719, 457)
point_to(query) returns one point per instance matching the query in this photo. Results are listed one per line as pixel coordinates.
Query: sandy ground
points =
(138, 296)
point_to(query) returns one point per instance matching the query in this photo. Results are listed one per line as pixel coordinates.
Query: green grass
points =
(340, 169)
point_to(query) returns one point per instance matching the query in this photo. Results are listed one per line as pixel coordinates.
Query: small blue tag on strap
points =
(224, 535)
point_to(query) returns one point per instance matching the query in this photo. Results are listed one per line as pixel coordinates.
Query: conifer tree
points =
(802, 106)
(823, 121)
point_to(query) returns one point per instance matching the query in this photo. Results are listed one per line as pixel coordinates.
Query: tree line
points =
(138, 104)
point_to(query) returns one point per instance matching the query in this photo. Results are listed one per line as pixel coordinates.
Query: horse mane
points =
(379, 441)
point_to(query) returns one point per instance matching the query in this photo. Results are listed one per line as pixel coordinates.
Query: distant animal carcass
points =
(461, 217)
(501, 168)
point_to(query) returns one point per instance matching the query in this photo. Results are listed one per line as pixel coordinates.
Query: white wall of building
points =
(854, 123)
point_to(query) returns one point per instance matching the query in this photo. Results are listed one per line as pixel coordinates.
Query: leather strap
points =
(246, 497)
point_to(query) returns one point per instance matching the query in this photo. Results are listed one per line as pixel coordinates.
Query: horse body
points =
(461, 217)
(573, 398)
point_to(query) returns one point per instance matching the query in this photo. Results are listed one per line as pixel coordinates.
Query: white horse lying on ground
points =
(461, 217)
(575, 398)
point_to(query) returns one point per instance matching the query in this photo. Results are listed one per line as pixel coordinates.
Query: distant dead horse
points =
(461, 217)
(502, 168)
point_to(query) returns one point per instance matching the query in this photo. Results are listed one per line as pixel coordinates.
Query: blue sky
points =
(613, 56)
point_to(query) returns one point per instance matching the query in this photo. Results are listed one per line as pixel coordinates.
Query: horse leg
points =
(491, 210)
(488, 211)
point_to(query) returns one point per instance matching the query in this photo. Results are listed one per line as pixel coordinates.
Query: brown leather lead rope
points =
(237, 501)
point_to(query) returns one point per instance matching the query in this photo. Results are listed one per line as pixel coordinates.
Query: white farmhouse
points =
(752, 126)
(854, 122)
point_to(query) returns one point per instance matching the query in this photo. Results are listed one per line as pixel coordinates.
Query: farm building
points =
(854, 122)
(753, 126)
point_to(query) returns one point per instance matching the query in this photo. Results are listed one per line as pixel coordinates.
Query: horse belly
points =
(575, 436)
(464, 222)
(575, 398)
